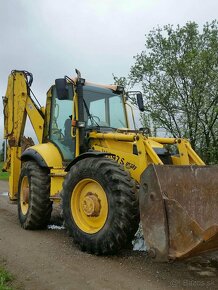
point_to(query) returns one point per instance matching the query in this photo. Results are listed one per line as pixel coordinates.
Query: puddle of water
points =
(138, 242)
(4, 193)
(55, 227)
(207, 273)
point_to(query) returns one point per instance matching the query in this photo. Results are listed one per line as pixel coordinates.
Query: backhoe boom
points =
(17, 105)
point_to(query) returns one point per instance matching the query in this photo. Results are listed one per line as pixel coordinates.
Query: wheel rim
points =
(89, 206)
(24, 195)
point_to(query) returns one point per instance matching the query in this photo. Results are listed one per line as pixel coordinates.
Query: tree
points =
(2, 152)
(178, 73)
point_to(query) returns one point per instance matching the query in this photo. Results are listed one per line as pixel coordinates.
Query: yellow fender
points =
(47, 155)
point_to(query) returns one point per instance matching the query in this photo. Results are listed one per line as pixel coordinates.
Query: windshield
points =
(103, 108)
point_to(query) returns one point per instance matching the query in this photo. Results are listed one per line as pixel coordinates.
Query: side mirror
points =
(62, 88)
(140, 101)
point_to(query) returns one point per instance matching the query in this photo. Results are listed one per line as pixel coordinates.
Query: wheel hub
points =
(26, 195)
(91, 205)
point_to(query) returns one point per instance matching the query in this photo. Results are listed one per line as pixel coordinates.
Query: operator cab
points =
(102, 110)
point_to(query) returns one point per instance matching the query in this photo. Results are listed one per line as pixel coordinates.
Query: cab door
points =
(61, 124)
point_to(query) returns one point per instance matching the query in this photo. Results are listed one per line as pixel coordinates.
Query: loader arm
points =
(18, 104)
(178, 193)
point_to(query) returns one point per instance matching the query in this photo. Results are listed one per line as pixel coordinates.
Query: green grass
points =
(3, 175)
(5, 279)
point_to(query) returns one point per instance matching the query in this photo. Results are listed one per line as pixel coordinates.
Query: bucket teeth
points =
(179, 210)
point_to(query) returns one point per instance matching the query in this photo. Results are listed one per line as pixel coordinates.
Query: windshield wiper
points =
(89, 115)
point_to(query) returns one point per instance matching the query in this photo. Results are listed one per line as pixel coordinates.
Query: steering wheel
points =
(56, 131)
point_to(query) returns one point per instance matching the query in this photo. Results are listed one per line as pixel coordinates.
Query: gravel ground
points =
(48, 260)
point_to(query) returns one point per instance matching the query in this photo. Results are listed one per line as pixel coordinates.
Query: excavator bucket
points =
(179, 210)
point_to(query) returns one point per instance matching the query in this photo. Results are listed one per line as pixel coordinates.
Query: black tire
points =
(123, 211)
(39, 204)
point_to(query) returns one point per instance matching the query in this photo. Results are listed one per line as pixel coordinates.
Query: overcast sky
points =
(50, 38)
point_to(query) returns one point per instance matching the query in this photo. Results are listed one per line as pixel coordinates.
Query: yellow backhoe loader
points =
(106, 176)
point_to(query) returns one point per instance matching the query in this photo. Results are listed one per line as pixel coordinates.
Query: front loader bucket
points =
(179, 210)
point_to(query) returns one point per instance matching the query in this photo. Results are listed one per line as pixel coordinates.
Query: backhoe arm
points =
(17, 105)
